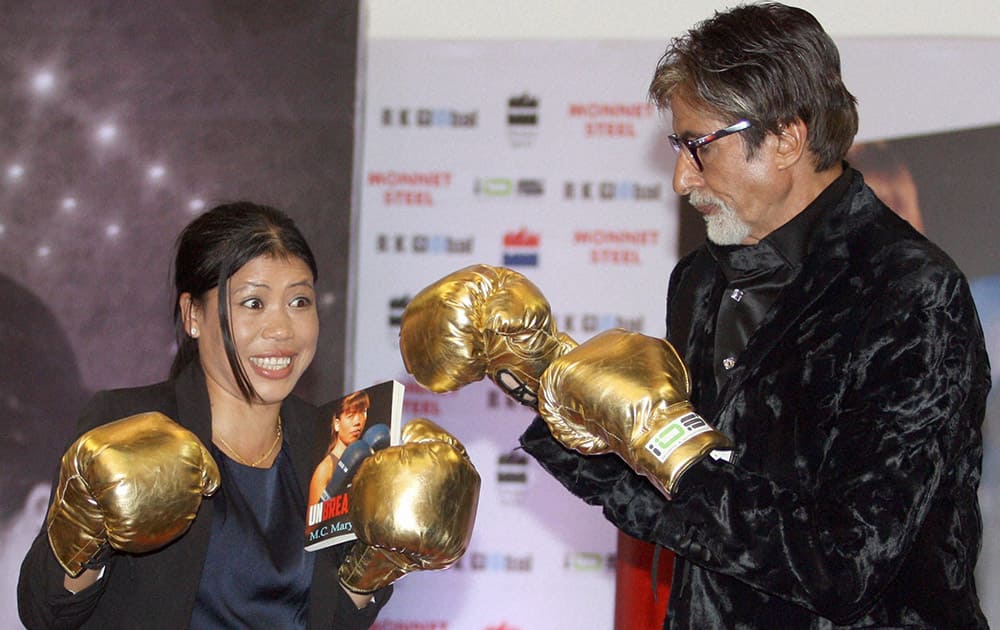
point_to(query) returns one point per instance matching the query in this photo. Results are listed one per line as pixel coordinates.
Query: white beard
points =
(725, 227)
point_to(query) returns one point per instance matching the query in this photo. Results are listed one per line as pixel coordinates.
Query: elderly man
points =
(812, 450)
(838, 349)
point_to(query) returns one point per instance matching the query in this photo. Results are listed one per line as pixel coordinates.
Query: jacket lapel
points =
(828, 259)
(306, 437)
(692, 315)
(194, 413)
(194, 410)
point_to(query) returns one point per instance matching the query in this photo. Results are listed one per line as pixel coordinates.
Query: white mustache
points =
(700, 198)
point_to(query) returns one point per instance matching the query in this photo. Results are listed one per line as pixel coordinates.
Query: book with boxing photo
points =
(361, 423)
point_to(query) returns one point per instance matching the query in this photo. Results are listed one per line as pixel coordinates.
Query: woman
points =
(247, 326)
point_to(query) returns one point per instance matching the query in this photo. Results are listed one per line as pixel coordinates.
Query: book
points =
(361, 423)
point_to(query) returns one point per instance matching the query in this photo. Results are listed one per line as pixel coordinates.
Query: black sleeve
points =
(340, 612)
(42, 600)
(906, 422)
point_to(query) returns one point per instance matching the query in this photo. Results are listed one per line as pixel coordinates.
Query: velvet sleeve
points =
(834, 539)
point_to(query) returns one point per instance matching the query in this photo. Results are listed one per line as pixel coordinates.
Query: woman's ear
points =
(190, 314)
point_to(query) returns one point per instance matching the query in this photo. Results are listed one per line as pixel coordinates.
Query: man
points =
(836, 371)
(837, 348)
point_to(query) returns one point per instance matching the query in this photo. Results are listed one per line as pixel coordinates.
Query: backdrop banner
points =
(121, 122)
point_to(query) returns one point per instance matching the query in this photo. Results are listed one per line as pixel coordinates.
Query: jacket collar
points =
(194, 412)
(828, 258)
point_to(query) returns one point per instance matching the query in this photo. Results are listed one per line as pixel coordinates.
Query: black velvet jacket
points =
(856, 411)
(158, 589)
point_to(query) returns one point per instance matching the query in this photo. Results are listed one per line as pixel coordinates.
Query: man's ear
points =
(190, 314)
(792, 144)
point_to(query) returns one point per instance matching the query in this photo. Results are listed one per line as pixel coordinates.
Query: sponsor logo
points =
(506, 187)
(585, 324)
(512, 468)
(496, 399)
(429, 118)
(522, 120)
(588, 561)
(677, 432)
(396, 307)
(512, 476)
(610, 120)
(408, 188)
(440, 244)
(490, 561)
(612, 191)
(520, 249)
(616, 247)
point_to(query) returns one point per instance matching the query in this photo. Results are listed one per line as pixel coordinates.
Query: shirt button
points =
(729, 362)
(736, 295)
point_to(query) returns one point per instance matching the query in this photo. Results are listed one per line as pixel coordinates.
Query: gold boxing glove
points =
(627, 393)
(481, 321)
(135, 483)
(412, 507)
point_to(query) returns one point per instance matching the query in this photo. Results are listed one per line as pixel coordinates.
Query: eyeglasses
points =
(692, 146)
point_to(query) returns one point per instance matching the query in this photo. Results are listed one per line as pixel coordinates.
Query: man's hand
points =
(627, 393)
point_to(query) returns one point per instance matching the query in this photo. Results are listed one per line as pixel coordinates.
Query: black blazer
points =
(856, 411)
(158, 590)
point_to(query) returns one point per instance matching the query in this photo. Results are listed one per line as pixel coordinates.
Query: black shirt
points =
(756, 274)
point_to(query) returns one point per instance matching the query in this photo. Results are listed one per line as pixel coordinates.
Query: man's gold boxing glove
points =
(627, 393)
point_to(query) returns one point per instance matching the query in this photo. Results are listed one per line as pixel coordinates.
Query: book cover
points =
(361, 423)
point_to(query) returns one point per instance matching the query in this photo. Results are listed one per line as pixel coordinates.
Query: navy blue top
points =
(256, 573)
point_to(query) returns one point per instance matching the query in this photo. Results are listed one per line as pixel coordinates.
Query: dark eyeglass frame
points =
(692, 146)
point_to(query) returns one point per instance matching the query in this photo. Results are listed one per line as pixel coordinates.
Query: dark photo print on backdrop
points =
(122, 122)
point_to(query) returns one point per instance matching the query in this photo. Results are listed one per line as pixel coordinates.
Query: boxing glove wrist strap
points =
(670, 450)
(101, 558)
(368, 569)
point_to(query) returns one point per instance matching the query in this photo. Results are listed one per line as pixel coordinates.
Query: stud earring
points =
(194, 331)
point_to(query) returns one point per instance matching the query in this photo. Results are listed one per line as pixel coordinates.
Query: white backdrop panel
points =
(568, 184)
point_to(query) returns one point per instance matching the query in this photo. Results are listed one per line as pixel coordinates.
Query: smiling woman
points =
(252, 364)
(253, 346)
(247, 328)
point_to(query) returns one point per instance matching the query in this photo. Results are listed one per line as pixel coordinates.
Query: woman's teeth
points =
(271, 363)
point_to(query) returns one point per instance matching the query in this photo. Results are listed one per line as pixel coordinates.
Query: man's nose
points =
(687, 177)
